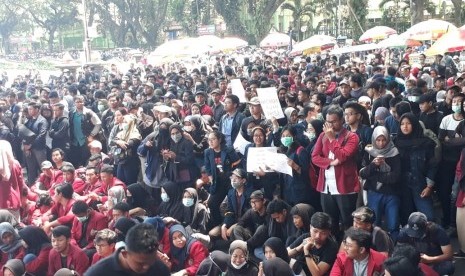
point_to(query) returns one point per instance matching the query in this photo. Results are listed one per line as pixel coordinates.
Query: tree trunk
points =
(457, 12)
(417, 9)
(51, 38)
(6, 42)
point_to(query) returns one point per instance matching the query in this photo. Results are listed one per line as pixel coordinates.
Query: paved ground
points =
(459, 263)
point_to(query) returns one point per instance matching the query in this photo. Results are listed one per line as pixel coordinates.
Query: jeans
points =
(387, 205)
(411, 201)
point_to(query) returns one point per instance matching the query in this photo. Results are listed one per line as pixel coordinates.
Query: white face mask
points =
(188, 202)
(238, 266)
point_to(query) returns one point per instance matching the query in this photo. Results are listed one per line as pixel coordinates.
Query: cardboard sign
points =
(257, 158)
(270, 103)
(238, 90)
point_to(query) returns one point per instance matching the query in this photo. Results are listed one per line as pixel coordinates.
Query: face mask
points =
(125, 127)
(176, 138)
(310, 135)
(165, 197)
(188, 128)
(82, 219)
(456, 108)
(101, 107)
(236, 184)
(413, 98)
(238, 266)
(125, 104)
(188, 202)
(287, 141)
(249, 132)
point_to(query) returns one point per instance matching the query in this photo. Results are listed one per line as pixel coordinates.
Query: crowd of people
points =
(137, 173)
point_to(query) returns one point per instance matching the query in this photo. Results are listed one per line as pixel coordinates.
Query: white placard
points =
(240, 143)
(258, 158)
(279, 163)
(238, 90)
(270, 103)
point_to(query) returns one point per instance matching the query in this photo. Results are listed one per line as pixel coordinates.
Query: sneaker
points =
(459, 254)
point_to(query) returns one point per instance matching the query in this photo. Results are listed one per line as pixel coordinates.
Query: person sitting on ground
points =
(105, 241)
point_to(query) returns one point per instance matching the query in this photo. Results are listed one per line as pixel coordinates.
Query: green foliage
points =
(301, 11)
(249, 19)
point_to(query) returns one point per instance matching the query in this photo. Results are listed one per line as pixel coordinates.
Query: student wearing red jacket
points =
(335, 154)
(86, 224)
(64, 254)
(61, 210)
(107, 182)
(357, 257)
(186, 253)
(105, 241)
(35, 255)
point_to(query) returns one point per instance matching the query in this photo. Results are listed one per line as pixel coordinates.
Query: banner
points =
(270, 103)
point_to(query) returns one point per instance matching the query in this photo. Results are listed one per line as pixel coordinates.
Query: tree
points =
(9, 19)
(358, 16)
(417, 8)
(132, 22)
(247, 18)
(299, 12)
(50, 15)
(457, 12)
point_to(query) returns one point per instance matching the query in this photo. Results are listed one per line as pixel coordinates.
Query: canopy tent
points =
(431, 29)
(274, 40)
(396, 40)
(377, 33)
(355, 48)
(452, 41)
(313, 44)
(232, 43)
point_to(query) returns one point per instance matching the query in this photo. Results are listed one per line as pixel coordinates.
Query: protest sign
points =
(238, 90)
(258, 158)
(270, 103)
(240, 143)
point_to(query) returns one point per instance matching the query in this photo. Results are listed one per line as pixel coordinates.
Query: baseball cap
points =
(344, 81)
(149, 84)
(46, 165)
(240, 173)
(416, 226)
(169, 95)
(215, 91)
(364, 214)
(162, 108)
(201, 92)
(254, 101)
(257, 195)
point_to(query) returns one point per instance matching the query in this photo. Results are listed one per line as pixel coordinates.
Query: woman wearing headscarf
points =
(313, 131)
(171, 197)
(216, 264)
(122, 227)
(301, 214)
(195, 130)
(418, 168)
(35, 256)
(186, 253)
(275, 248)
(10, 243)
(382, 175)
(150, 149)
(125, 138)
(195, 214)
(179, 160)
(239, 264)
(138, 197)
(11, 180)
(276, 267)
(14, 267)
(268, 181)
(296, 188)
(163, 233)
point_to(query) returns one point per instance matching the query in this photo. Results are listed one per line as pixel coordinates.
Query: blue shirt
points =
(226, 128)
(79, 139)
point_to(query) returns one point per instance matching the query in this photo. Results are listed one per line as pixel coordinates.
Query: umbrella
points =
(452, 41)
(431, 29)
(396, 40)
(275, 40)
(233, 43)
(355, 48)
(376, 33)
(315, 43)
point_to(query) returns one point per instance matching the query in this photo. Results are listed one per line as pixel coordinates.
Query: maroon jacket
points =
(10, 191)
(76, 260)
(40, 264)
(97, 221)
(344, 266)
(345, 148)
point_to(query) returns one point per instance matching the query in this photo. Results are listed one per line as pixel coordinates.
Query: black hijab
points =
(214, 265)
(277, 267)
(35, 238)
(415, 139)
(305, 212)
(173, 208)
(278, 247)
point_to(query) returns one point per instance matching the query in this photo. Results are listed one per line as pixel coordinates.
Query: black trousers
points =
(339, 208)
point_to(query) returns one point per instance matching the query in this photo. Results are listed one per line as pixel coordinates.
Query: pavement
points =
(459, 263)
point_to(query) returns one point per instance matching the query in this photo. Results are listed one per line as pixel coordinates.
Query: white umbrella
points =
(315, 43)
(376, 33)
(397, 41)
(355, 48)
(431, 29)
(275, 40)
